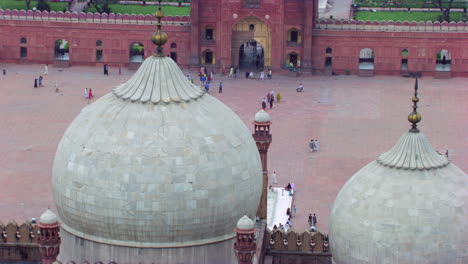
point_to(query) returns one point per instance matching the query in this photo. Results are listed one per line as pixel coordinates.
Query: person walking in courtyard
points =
(4, 72)
(262, 75)
(207, 87)
(220, 87)
(90, 93)
(252, 75)
(264, 104)
(270, 74)
(106, 69)
(294, 211)
(310, 219)
(40, 80)
(86, 93)
(271, 100)
(231, 72)
(312, 145)
(278, 97)
(35, 83)
(46, 69)
(273, 176)
(314, 220)
(316, 145)
(203, 79)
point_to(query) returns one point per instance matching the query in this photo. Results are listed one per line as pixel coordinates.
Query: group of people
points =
(312, 220)
(291, 66)
(206, 78)
(88, 94)
(314, 145)
(251, 75)
(233, 72)
(285, 227)
(38, 81)
(270, 98)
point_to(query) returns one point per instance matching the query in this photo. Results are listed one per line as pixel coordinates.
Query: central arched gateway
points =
(251, 56)
(251, 44)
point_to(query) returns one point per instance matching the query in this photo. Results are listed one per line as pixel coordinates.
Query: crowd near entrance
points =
(251, 56)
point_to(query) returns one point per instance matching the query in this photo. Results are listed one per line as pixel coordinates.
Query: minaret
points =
(49, 239)
(245, 245)
(262, 137)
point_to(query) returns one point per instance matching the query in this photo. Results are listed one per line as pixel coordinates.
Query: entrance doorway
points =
(444, 61)
(328, 62)
(251, 44)
(61, 50)
(136, 52)
(251, 56)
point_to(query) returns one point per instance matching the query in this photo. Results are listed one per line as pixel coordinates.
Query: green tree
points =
(43, 5)
(102, 6)
(444, 6)
(28, 4)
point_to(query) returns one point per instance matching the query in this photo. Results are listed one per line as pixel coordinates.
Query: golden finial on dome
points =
(159, 38)
(414, 117)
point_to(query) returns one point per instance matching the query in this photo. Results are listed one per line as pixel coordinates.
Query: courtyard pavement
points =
(341, 9)
(353, 118)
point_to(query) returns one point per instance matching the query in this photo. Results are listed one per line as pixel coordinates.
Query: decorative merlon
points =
(429, 26)
(7, 14)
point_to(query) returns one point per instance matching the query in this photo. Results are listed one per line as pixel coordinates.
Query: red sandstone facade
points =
(215, 32)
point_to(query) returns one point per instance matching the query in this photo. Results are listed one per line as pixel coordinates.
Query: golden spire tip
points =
(414, 117)
(159, 38)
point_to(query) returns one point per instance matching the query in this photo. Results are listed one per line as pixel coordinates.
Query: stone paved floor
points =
(279, 201)
(353, 118)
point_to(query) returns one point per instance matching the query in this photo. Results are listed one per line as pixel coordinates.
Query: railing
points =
(14, 233)
(82, 17)
(330, 24)
(315, 242)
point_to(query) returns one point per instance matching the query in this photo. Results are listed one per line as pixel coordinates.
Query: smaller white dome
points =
(262, 117)
(245, 223)
(48, 217)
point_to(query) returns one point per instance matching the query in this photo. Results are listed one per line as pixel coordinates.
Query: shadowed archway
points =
(251, 56)
(251, 44)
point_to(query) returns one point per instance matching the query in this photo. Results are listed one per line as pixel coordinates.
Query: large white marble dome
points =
(410, 205)
(156, 163)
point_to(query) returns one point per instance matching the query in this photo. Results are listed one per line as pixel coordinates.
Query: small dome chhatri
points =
(159, 38)
(245, 223)
(414, 117)
(48, 218)
(262, 117)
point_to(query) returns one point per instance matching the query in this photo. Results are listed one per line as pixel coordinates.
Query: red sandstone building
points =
(249, 34)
